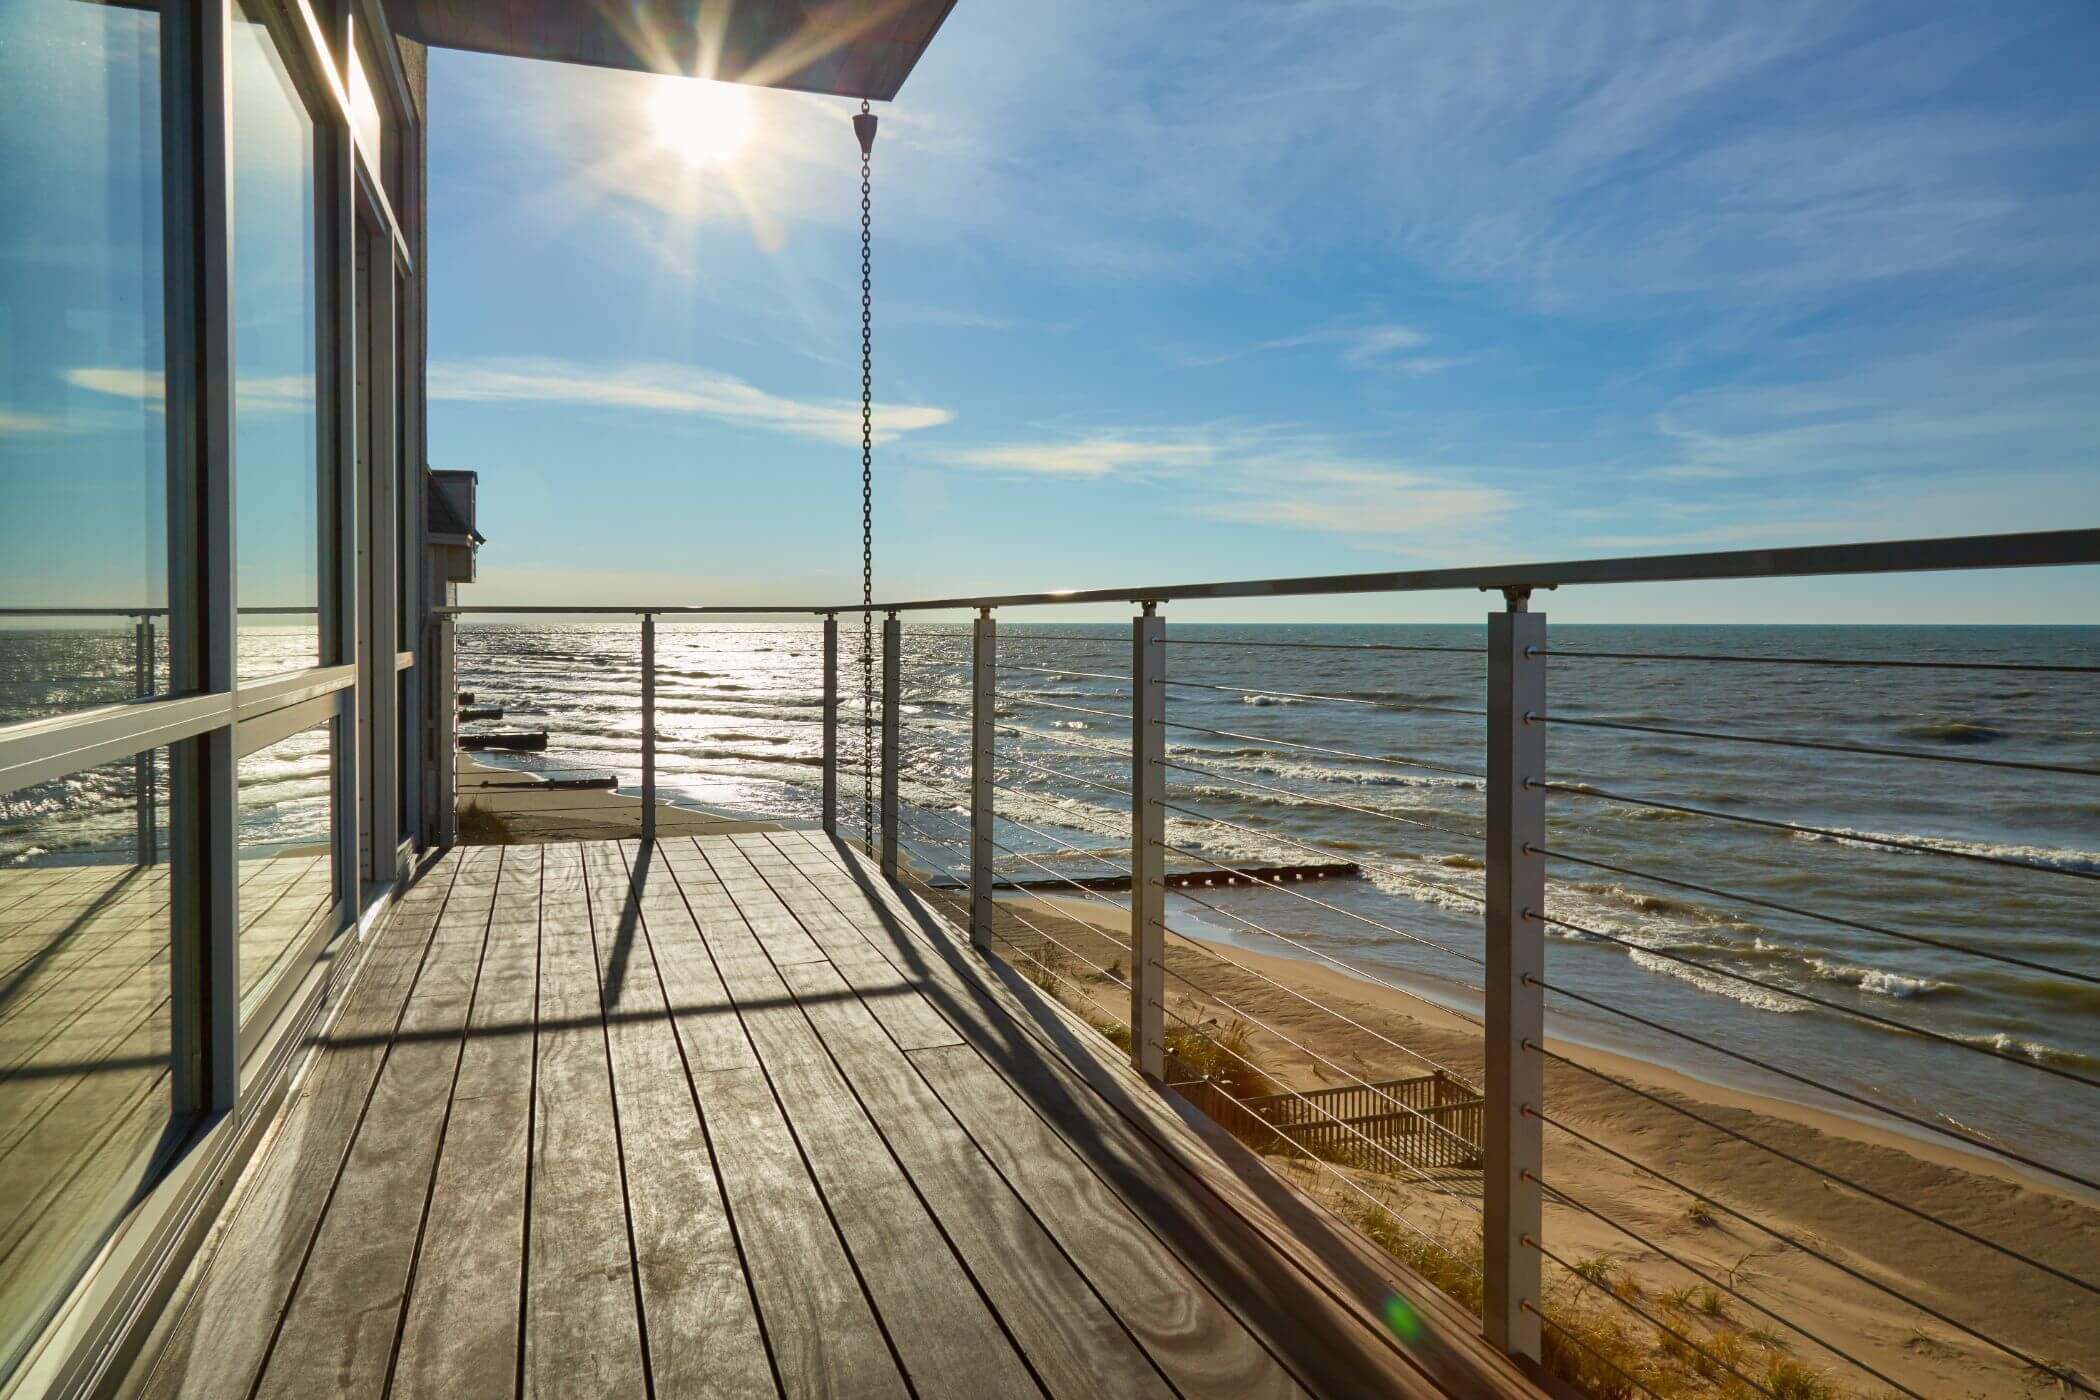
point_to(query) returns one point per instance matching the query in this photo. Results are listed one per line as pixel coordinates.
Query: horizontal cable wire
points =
(1642, 1313)
(1862, 838)
(1556, 653)
(1210, 996)
(1094, 895)
(1352, 970)
(1322, 1110)
(1779, 989)
(1783, 1155)
(1576, 1337)
(1319, 749)
(1396, 705)
(1941, 1129)
(1011, 699)
(1122, 982)
(1327, 646)
(1015, 732)
(1924, 939)
(1309, 800)
(1069, 641)
(1309, 899)
(1696, 1272)
(1335, 856)
(1384, 1206)
(1065, 671)
(1786, 1238)
(1061, 777)
(1823, 746)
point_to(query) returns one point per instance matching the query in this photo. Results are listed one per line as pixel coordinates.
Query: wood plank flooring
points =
(732, 1116)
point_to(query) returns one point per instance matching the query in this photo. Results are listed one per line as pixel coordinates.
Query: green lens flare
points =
(1404, 1320)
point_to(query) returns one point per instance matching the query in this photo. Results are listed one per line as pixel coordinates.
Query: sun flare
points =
(707, 123)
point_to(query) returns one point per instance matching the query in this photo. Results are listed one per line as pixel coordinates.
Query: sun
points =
(705, 122)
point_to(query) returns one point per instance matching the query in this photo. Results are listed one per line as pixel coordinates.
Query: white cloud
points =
(25, 424)
(667, 388)
(1362, 346)
(1087, 457)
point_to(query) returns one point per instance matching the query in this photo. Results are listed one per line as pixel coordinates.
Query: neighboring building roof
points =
(848, 50)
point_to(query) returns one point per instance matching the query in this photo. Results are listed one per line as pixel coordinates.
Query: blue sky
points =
(1173, 292)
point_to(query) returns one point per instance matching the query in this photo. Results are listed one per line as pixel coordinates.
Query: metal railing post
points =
(146, 769)
(831, 724)
(892, 675)
(648, 727)
(1516, 966)
(984, 677)
(444, 741)
(1148, 835)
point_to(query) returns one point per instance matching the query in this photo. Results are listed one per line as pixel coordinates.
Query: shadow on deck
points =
(733, 1116)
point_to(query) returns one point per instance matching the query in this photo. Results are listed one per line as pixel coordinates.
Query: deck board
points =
(731, 1116)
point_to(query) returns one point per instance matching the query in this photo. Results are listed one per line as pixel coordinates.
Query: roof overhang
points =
(843, 48)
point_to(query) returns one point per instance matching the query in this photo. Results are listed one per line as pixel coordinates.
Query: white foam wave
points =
(2053, 857)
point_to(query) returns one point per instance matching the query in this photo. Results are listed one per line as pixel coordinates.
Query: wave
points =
(2035, 1050)
(1266, 700)
(2052, 857)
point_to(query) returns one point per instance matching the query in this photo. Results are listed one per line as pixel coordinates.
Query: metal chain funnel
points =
(864, 129)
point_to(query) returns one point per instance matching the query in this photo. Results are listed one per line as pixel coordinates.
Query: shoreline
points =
(1630, 1063)
(1998, 1201)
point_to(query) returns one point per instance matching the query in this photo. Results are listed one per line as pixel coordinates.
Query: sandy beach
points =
(1313, 1005)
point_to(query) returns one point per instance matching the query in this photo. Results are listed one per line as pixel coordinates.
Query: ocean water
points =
(1275, 781)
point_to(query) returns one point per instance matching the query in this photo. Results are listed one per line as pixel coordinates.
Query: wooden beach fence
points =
(1431, 1120)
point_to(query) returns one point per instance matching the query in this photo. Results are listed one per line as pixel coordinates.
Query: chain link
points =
(867, 505)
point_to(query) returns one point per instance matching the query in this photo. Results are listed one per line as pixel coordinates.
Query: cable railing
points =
(1333, 891)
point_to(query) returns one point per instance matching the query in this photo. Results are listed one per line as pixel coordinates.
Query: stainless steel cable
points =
(1755, 901)
(1310, 951)
(1862, 838)
(1731, 1290)
(1822, 746)
(1785, 1238)
(1336, 856)
(1065, 671)
(1014, 732)
(1780, 989)
(1358, 1080)
(1940, 1129)
(1309, 800)
(1825, 1173)
(1054, 705)
(1321, 749)
(1062, 777)
(1326, 646)
(1556, 654)
(1365, 919)
(1406, 708)
(1657, 1323)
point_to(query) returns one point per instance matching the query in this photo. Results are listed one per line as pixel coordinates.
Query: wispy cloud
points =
(1085, 457)
(667, 388)
(13, 423)
(1262, 475)
(1358, 345)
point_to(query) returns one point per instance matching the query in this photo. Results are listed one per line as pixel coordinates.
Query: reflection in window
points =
(83, 479)
(275, 428)
(287, 859)
(85, 1026)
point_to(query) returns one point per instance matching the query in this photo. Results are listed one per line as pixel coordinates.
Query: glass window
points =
(83, 474)
(276, 432)
(85, 1025)
(288, 888)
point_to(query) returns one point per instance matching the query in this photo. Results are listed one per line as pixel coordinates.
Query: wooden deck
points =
(734, 1117)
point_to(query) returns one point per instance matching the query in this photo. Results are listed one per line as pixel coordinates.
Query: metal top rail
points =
(2036, 549)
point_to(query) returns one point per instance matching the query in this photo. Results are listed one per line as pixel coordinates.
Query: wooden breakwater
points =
(1175, 879)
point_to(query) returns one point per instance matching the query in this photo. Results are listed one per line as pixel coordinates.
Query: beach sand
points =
(1314, 1005)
